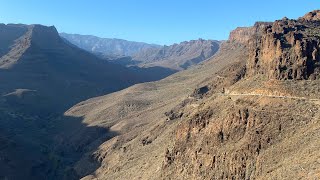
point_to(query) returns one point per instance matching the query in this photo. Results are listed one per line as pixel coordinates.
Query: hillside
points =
(250, 112)
(41, 77)
(138, 115)
(107, 47)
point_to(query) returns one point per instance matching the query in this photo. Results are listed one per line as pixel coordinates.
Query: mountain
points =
(106, 47)
(41, 77)
(178, 56)
(175, 57)
(250, 112)
(35, 57)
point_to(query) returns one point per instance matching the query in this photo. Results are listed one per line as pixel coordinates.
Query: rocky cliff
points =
(244, 126)
(286, 49)
(241, 34)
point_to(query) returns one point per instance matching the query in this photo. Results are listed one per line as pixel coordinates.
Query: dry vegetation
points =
(219, 120)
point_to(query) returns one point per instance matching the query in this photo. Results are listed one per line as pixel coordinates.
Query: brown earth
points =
(251, 112)
(41, 77)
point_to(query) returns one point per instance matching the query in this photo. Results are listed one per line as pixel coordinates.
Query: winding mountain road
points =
(317, 101)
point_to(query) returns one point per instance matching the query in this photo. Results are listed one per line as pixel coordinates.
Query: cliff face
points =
(286, 49)
(252, 128)
(241, 34)
(246, 137)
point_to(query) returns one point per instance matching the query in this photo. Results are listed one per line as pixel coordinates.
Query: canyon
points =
(245, 108)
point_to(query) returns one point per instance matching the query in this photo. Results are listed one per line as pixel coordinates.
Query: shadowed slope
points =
(41, 77)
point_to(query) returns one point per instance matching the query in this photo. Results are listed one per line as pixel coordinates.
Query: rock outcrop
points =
(241, 34)
(311, 16)
(247, 131)
(286, 49)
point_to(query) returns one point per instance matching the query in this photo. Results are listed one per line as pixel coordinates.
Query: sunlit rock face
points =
(286, 49)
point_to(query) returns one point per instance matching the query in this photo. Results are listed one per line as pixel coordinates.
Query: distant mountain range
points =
(177, 56)
(107, 47)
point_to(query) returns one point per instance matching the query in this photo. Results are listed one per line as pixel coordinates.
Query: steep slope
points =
(178, 56)
(107, 47)
(9, 35)
(41, 77)
(241, 115)
(39, 60)
(138, 114)
(118, 51)
(263, 125)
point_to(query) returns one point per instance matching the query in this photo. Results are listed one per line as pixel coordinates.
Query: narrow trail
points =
(316, 101)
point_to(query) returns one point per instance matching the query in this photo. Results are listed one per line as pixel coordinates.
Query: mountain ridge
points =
(107, 46)
(178, 56)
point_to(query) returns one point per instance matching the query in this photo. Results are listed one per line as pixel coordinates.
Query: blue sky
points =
(152, 21)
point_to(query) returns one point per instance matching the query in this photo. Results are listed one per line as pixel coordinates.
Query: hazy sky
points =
(152, 21)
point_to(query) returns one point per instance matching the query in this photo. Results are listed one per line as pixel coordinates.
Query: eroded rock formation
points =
(286, 49)
(249, 135)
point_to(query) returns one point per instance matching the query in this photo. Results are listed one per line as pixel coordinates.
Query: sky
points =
(152, 21)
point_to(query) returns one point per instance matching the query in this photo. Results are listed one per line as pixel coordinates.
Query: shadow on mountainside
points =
(41, 77)
(153, 73)
(37, 141)
(47, 147)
